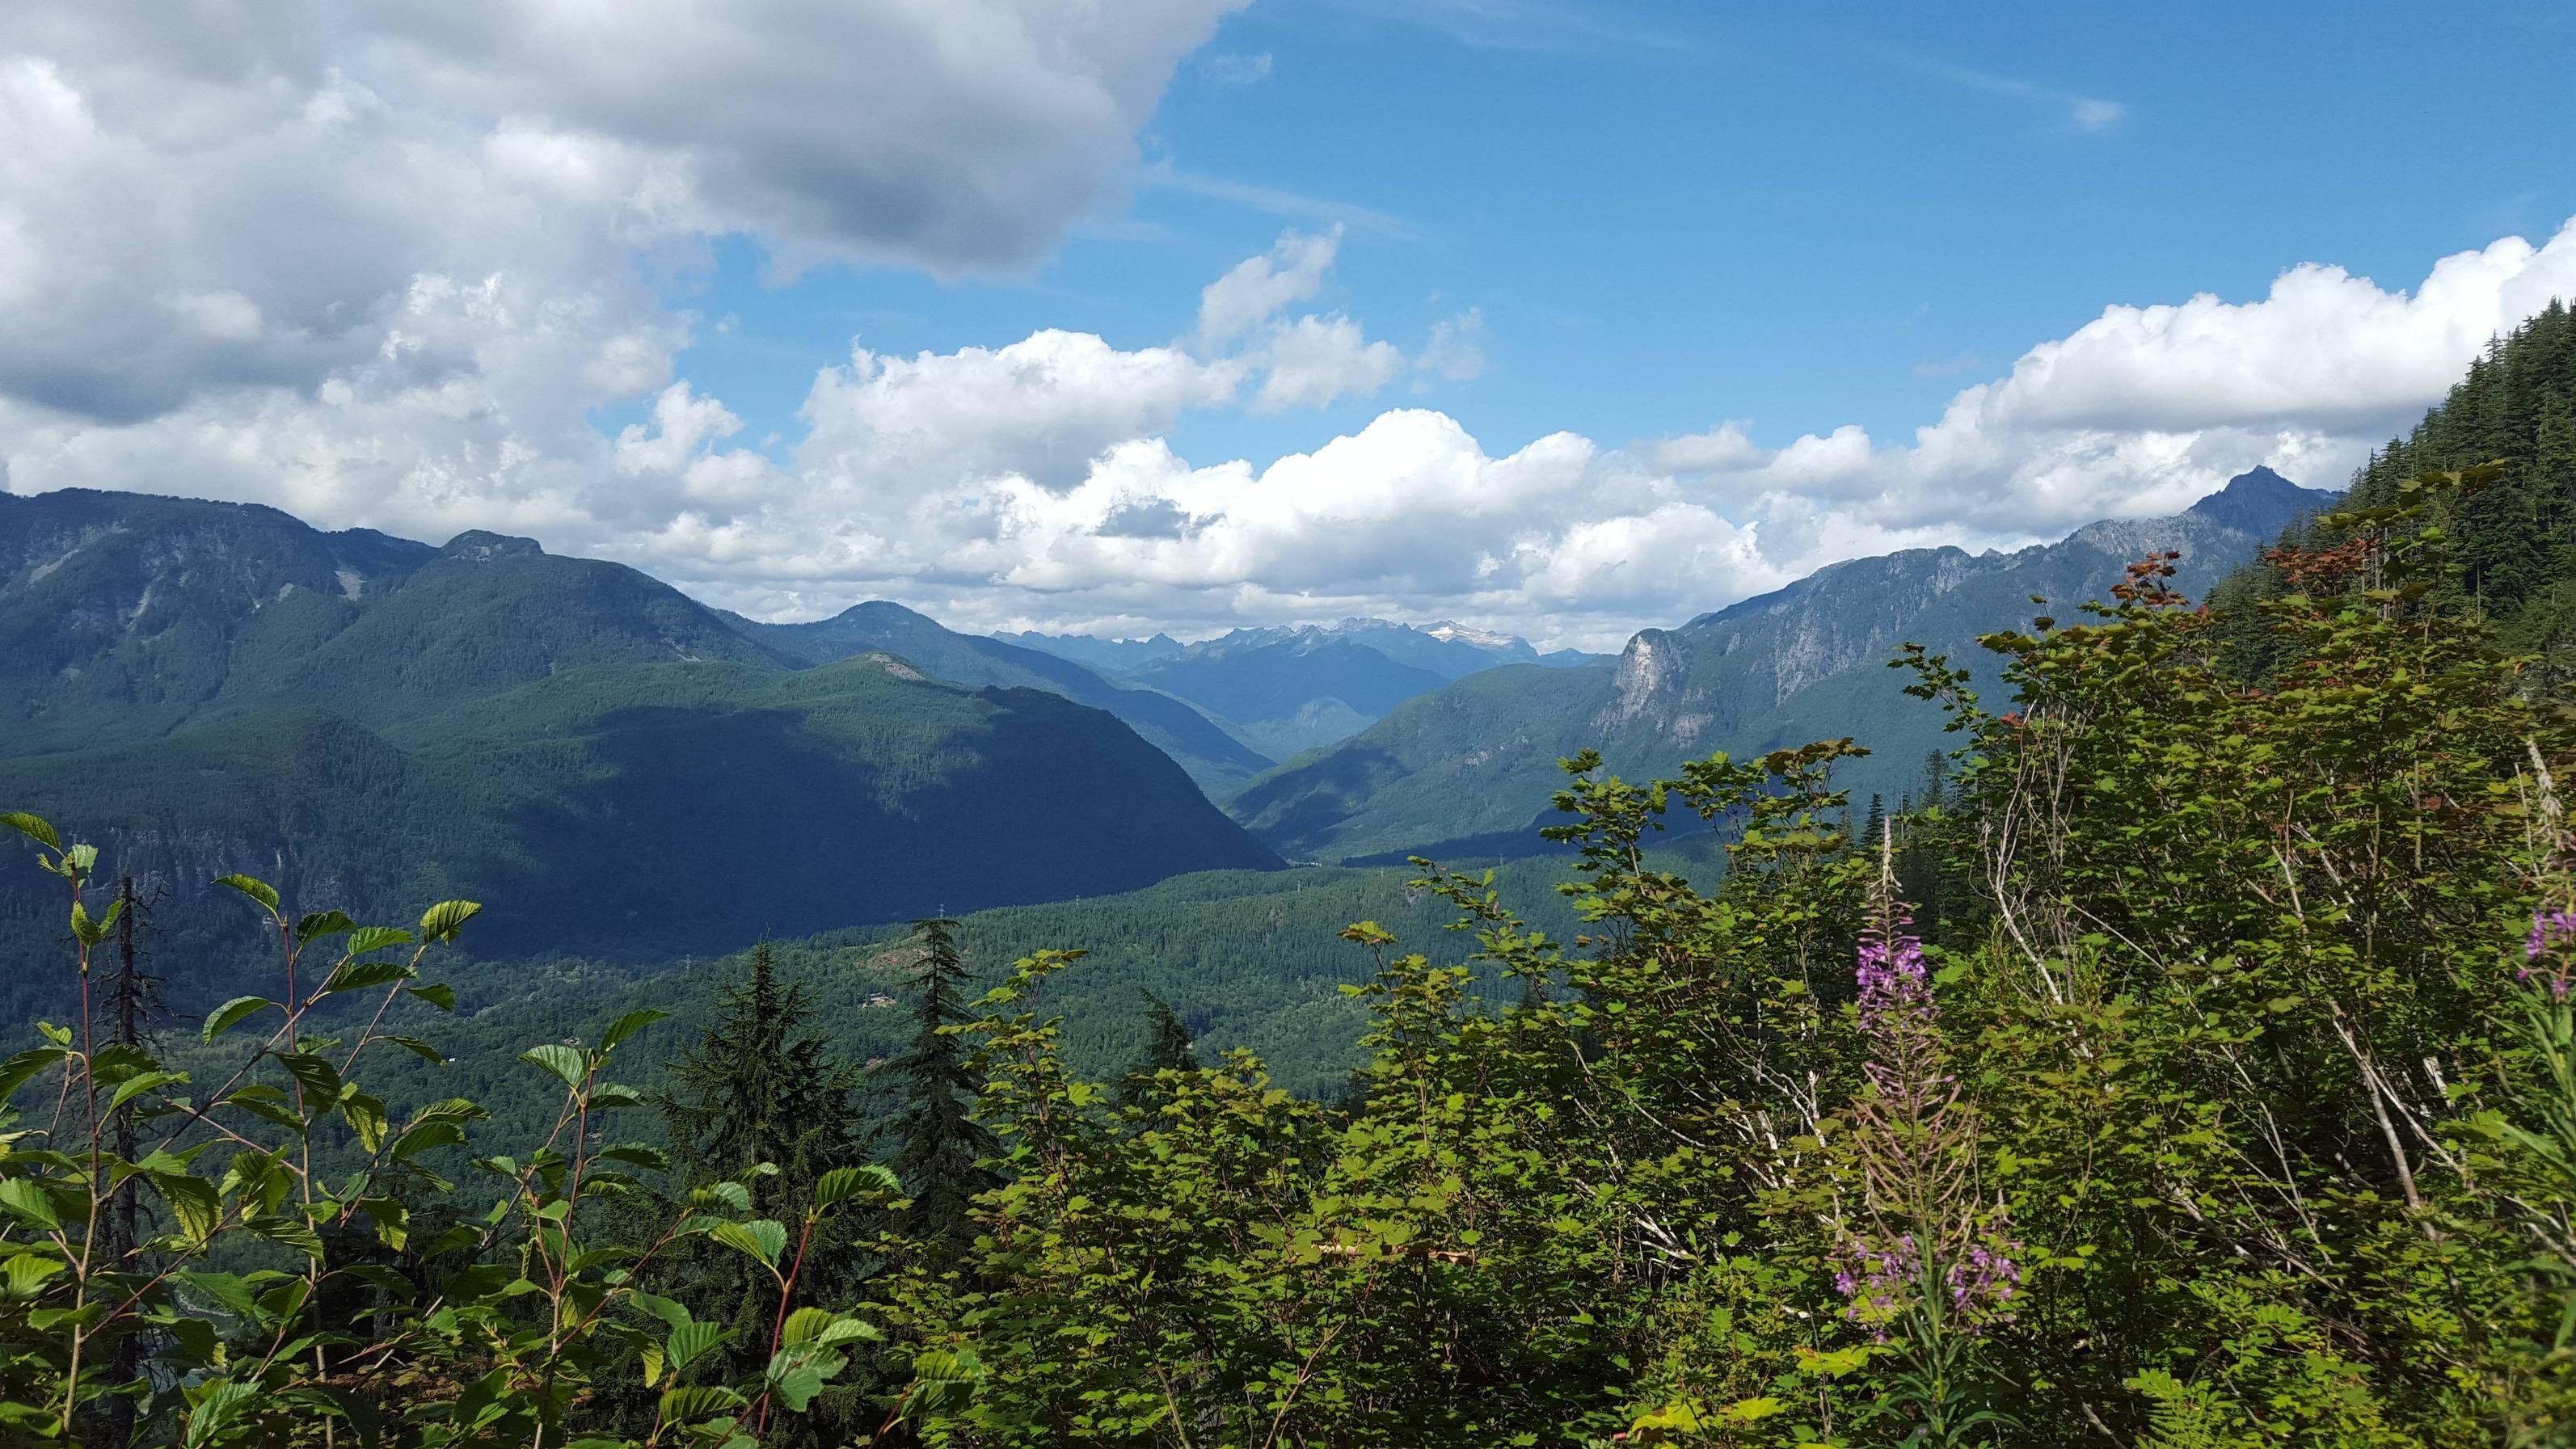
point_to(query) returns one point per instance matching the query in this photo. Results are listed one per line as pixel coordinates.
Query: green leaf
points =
(943, 1382)
(194, 1204)
(217, 1410)
(688, 1341)
(843, 1183)
(377, 938)
(319, 1079)
(23, 1068)
(422, 1136)
(137, 1085)
(258, 890)
(366, 1117)
(356, 975)
(232, 1013)
(89, 932)
(849, 1330)
(292, 1232)
(442, 995)
(796, 1383)
(664, 1309)
(629, 1024)
(805, 1325)
(414, 1045)
(441, 922)
(635, 1154)
(33, 828)
(226, 1291)
(565, 1062)
(24, 1198)
(25, 1275)
(762, 1238)
(732, 1194)
(322, 926)
(699, 1401)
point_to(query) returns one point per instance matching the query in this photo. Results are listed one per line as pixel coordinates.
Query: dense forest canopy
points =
(2191, 1062)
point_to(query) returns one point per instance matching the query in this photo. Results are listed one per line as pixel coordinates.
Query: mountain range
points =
(1285, 690)
(621, 771)
(611, 766)
(1468, 770)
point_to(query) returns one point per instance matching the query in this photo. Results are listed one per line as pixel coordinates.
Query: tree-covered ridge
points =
(596, 792)
(1466, 771)
(2514, 534)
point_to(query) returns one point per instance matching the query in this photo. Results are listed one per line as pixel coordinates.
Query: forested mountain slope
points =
(1468, 770)
(210, 688)
(2515, 531)
(1215, 759)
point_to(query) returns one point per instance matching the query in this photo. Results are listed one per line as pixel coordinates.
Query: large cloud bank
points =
(379, 264)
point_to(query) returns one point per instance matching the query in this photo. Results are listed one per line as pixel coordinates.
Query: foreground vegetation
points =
(2196, 1067)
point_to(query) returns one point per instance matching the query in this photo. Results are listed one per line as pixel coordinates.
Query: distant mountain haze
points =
(1469, 770)
(1288, 689)
(1215, 759)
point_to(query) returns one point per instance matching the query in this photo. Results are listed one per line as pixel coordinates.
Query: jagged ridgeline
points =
(2514, 537)
(1468, 770)
(611, 767)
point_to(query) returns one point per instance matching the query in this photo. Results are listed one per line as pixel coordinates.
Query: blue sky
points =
(1668, 217)
(1563, 318)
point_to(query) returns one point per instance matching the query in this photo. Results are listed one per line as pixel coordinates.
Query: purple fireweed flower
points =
(2549, 930)
(1916, 1146)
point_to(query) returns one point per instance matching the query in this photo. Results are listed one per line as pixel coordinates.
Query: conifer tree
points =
(759, 1087)
(940, 1147)
(1167, 1049)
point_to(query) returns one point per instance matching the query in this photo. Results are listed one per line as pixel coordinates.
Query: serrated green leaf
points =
(762, 1238)
(414, 1045)
(843, 1183)
(366, 1117)
(635, 1154)
(26, 1274)
(33, 828)
(217, 1410)
(26, 1200)
(377, 938)
(356, 975)
(90, 932)
(698, 1401)
(135, 1086)
(689, 1341)
(319, 1079)
(629, 1024)
(258, 890)
(805, 1325)
(232, 1013)
(441, 922)
(731, 1194)
(796, 1383)
(442, 995)
(849, 1330)
(422, 1136)
(291, 1232)
(567, 1063)
(23, 1068)
(322, 926)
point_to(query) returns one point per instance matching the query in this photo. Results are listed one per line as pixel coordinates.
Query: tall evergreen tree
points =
(1167, 1049)
(940, 1147)
(760, 1087)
